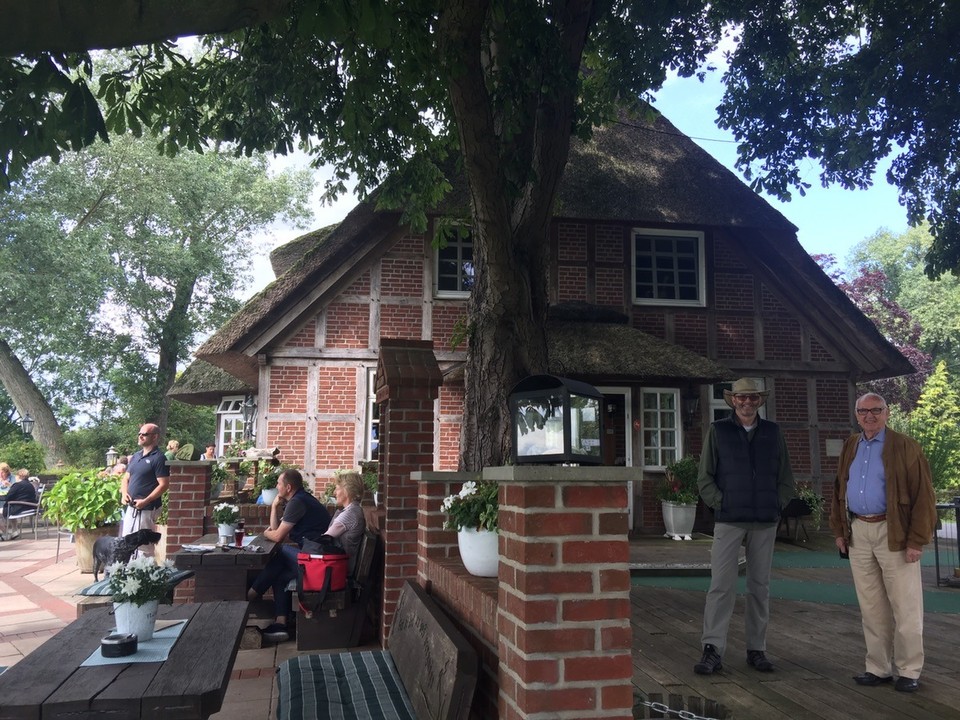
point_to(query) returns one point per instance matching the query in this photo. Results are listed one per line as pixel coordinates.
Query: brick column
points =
(564, 593)
(408, 382)
(189, 495)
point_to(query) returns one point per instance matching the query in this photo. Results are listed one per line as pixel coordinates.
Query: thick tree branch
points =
(79, 25)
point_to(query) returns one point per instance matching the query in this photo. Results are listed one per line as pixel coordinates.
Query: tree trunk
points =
(28, 399)
(509, 301)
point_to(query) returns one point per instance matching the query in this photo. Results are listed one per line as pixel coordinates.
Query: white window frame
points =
(372, 419)
(695, 235)
(677, 427)
(230, 424)
(453, 240)
(720, 404)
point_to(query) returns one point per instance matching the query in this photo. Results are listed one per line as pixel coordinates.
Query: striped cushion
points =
(342, 686)
(102, 587)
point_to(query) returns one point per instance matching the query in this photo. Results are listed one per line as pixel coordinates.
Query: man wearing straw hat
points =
(745, 477)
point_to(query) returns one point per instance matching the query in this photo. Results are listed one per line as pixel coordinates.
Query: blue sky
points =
(830, 220)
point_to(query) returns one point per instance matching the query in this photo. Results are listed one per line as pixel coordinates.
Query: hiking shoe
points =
(276, 632)
(710, 662)
(758, 661)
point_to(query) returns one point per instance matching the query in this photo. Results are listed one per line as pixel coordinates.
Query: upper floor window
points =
(661, 426)
(668, 267)
(453, 267)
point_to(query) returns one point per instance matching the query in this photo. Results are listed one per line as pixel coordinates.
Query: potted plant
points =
(473, 513)
(86, 505)
(369, 472)
(226, 516)
(219, 475)
(267, 482)
(137, 587)
(815, 502)
(678, 494)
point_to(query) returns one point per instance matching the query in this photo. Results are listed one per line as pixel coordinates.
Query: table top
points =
(191, 683)
(187, 560)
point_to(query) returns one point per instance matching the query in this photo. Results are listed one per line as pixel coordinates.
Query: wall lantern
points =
(249, 410)
(112, 456)
(556, 420)
(26, 424)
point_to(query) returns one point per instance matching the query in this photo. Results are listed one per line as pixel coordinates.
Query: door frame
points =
(627, 394)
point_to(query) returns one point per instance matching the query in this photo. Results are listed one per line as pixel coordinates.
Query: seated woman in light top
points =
(348, 522)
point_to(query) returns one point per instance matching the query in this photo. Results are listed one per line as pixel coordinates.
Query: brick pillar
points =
(564, 593)
(435, 542)
(189, 495)
(408, 382)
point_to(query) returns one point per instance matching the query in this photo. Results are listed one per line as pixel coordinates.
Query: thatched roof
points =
(636, 171)
(287, 255)
(646, 170)
(604, 352)
(204, 384)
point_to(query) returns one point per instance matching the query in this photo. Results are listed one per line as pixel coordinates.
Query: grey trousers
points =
(724, 557)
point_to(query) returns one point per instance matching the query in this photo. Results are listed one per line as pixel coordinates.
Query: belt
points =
(870, 518)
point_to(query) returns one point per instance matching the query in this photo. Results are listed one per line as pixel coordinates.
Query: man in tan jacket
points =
(884, 512)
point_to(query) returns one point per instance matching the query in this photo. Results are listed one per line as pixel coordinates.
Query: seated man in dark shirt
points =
(22, 490)
(295, 515)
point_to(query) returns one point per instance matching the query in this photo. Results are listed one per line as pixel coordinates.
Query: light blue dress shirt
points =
(867, 484)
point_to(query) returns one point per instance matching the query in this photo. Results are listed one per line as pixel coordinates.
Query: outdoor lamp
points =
(112, 457)
(556, 420)
(26, 423)
(249, 410)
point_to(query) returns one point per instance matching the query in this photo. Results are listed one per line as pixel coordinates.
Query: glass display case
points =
(556, 420)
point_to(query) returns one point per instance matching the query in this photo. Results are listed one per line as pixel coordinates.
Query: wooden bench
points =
(339, 620)
(430, 671)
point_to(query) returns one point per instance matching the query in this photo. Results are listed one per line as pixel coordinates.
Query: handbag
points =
(319, 574)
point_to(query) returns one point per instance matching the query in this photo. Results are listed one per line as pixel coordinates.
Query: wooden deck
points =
(817, 648)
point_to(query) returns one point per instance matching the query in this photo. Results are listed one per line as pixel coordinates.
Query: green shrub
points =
(84, 500)
(24, 454)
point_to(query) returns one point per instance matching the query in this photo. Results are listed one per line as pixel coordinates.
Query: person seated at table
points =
(348, 522)
(295, 516)
(6, 478)
(22, 490)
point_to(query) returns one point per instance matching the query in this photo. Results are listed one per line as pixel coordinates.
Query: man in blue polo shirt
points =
(143, 485)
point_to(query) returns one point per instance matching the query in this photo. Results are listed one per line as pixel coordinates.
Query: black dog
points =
(108, 550)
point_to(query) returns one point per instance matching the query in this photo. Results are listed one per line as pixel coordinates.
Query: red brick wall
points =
(288, 389)
(348, 325)
(305, 336)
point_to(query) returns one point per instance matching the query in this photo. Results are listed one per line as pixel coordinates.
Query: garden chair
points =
(27, 511)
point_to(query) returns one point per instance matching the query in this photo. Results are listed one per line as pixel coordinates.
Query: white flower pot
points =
(269, 495)
(479, 551)
(678, 518)
(136, 619)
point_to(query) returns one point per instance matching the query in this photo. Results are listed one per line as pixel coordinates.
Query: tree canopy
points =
(392, 92)
(116, 260)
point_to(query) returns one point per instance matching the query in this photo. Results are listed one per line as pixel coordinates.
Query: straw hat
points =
(745, 386)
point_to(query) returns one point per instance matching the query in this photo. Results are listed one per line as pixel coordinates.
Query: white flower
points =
(469, 488)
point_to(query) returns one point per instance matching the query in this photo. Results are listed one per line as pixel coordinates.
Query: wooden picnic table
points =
(224, 574)
(50, 683)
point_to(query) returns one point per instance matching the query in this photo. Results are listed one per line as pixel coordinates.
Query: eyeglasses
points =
(145, 434)
(862, 412)
(753, 397)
